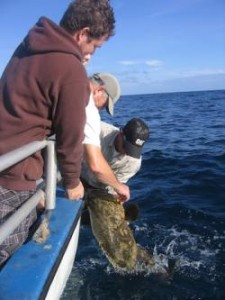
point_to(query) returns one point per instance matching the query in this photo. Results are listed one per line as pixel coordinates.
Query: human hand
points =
(123, 192)
(76, 193)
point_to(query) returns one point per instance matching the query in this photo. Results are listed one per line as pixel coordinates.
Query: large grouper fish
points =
(112, 232)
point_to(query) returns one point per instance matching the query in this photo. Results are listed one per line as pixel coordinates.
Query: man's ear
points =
(99, 88)
(82, 35)
(96, 88)
(85, 31)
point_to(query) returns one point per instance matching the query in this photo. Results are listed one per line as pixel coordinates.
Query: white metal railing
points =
(9, 159)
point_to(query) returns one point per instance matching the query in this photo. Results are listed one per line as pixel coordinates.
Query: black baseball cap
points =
(135, 134)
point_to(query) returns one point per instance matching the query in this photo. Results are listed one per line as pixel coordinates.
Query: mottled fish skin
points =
(113, 234)
(42, 233)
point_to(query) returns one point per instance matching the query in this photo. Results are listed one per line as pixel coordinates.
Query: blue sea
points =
(180, 191)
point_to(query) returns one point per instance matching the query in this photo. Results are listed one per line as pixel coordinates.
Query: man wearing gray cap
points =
(105, 92)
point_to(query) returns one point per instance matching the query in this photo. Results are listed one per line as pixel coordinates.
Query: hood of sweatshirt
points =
(46, 36)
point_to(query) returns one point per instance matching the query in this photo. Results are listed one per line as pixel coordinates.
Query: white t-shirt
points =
(92, 127)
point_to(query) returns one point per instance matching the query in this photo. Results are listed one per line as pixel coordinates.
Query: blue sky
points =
(159, 45)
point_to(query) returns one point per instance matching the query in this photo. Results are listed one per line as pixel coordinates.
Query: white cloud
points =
(139, 84)
(154, 63)
(129, 62)
(207, 72)
(193, 73)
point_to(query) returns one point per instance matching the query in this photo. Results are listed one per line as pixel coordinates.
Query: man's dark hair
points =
(96, 14)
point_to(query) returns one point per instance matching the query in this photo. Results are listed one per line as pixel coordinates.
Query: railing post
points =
(51, 172)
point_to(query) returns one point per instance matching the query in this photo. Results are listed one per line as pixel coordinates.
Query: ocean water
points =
(180, 191)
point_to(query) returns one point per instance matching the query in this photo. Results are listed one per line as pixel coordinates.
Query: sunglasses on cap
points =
(98, 79)
(100, 82)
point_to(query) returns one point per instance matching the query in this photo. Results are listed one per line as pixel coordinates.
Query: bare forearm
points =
(105, 174)
(100, 167)
(102, 170)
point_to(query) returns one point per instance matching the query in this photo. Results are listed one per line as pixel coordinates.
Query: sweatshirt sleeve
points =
(69, 121)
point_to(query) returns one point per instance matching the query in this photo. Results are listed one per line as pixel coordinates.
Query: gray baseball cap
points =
(112, 88)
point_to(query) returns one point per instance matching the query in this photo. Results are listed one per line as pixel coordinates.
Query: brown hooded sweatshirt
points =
(43, 91)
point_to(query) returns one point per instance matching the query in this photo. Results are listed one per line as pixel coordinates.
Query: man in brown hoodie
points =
(44, 90)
